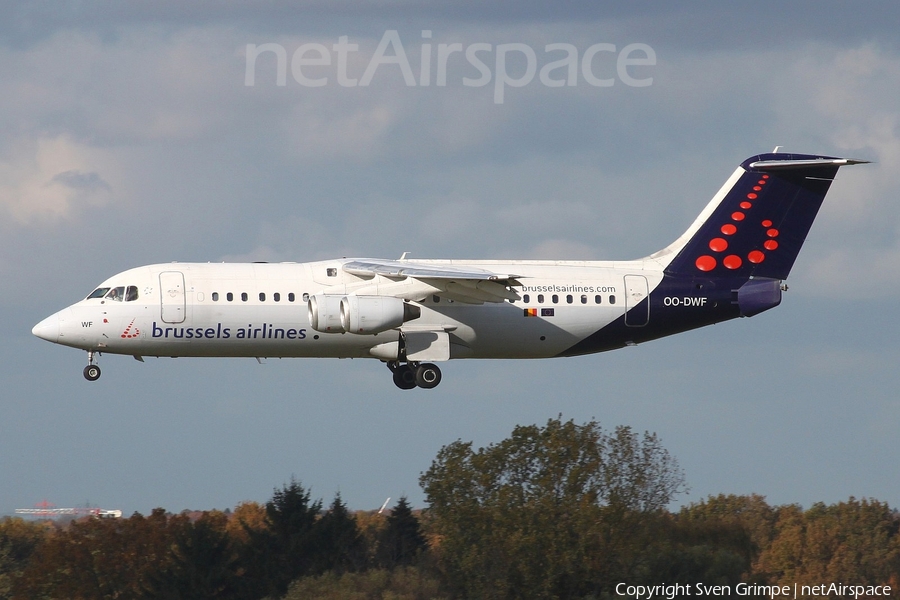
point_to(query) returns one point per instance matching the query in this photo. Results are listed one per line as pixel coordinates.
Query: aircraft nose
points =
(48, 329)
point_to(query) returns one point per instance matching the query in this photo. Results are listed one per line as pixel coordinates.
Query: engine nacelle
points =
(374, 314)
(325, 313)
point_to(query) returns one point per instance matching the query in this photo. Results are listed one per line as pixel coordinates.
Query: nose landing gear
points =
(410, 375)
(92, 371)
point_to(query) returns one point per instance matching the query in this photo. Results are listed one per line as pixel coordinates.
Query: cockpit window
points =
(98, 293)
(131, 293)
(117, 294)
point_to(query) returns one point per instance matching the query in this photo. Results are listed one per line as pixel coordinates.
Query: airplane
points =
(731, 262)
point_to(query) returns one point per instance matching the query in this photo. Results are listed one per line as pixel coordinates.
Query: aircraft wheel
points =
(404, 377)
(428, 375)
(92, 372)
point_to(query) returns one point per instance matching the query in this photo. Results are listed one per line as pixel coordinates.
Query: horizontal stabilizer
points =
(774, 165)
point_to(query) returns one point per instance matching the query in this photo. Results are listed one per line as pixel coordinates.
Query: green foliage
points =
(285, 549)
(688, 548)
(749, 513)
(402, 583)
(551, 512)
(202, 563)
(18, 540)
(341, 546)
(401, 540)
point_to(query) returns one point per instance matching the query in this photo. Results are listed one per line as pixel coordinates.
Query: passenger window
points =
(526, 298)
(229, 296)
(131, 294)
(331, 272)
(262, 296)
(276, 297)
(98, 293)
(305, 297)
(244, 296)
(215, 296)
(569, 299)
(116, 294)
(612, 299)
(291, 297)
(555, 299)
(584, 299)
(540, 298)
(597, 299)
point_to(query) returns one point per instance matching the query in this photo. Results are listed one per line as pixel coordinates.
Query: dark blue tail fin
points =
(756, 224)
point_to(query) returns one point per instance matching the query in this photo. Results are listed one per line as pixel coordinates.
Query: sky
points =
(136, 133)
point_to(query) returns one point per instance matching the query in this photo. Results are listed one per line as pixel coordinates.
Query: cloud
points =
(50, 178)
(87, 182)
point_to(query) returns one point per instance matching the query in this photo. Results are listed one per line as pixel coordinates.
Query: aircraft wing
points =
(463, 284)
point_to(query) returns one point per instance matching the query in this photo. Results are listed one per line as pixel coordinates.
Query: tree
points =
(100, 558)
(341, 547)
(402, 583)
(401, 540)
(202, 563)
(856, 540)
(18, 540)
(247, 516)
(556, 511)
(714, 541)
(285, 549)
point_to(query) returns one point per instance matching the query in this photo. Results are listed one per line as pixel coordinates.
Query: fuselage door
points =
(636, 291)
(171, 290)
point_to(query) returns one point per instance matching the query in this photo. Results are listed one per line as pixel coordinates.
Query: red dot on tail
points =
(761, 182)
(767, 223)
(756, 257)
(770, 245)
(737, 216)
(732, 261)
(765, 176)
(752, 196)
(745, 205)
(756, 188)
(729, 229)
(717, 244)
(706, 263)
(772, 233)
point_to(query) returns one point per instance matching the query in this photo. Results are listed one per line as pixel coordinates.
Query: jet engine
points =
(373, 314)
(325, 313)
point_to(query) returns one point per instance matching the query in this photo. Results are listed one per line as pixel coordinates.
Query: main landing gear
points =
(413, 374)
(92, 371)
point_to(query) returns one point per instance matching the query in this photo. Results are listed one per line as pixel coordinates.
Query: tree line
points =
(563, 510)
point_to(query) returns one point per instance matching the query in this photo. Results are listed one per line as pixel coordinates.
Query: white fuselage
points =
(260, 310)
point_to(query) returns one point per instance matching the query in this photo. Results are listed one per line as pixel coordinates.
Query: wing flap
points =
(398, 269)
(463, 284)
